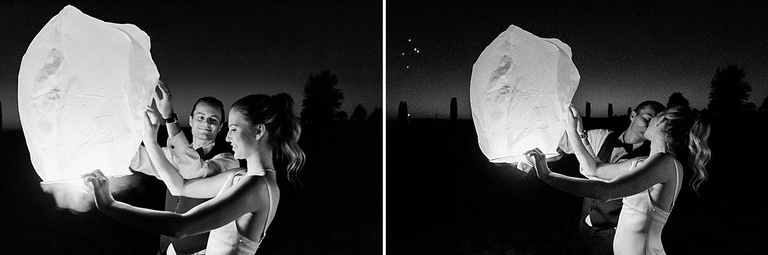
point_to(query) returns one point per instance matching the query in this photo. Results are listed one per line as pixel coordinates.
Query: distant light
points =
(409, 40)
(403, 54)
(415, 49)
(406, 67)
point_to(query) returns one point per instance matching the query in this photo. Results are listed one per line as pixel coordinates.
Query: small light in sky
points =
(403, 53)
(409, 39)
(415, 49)
(406, 67)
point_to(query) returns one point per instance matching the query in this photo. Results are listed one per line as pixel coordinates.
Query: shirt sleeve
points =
(191, 166)
(142, 163)
(220, 163)
(596, 137)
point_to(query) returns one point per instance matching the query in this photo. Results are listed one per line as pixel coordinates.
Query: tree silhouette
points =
(359, 113)
(749, 106)
(341, 115)
(764, 105)
(321, 98)
(454, 108)
(629, 111)
(610, 110)
(588, 112)
(729, 91)
(376, 114)
(677, 99)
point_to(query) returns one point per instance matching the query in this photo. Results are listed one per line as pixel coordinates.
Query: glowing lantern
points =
(83, 87)
(519, 86)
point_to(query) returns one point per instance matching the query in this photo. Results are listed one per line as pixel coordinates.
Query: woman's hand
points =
(151, 124)
(100, 186)
(573, 121)
(539, 161)
(163, 104)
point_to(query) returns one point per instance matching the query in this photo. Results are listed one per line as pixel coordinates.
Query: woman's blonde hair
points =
(276, 113)
(687, 130)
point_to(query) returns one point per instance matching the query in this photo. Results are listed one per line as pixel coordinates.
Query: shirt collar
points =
(626, 145)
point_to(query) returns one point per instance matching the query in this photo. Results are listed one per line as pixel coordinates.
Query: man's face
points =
(205, 121)
(639, 121)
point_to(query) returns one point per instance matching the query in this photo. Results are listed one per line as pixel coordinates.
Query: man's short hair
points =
(212, 101)
(653, 105)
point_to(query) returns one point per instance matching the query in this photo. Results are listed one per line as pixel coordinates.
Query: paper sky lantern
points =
(519, 87)
(83, 87)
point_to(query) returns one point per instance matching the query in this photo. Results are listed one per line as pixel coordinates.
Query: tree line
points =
(322, 101)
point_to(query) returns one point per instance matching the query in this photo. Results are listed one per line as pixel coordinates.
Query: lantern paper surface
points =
(83, 87)
(519, 89)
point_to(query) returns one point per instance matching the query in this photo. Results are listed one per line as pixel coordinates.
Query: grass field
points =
(337, 210)
(444, 197)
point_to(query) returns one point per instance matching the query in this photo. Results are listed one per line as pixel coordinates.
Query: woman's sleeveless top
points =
(227, 239)
(641, 222)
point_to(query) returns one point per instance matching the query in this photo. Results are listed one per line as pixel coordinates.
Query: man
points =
(200, 159)
(599, 219)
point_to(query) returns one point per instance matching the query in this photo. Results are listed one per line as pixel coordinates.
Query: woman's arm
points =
(609, 171)
(249, 194)
(638, 179)
(586, 159)
(588, 165)
(243, 197)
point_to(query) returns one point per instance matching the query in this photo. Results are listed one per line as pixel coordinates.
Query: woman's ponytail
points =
(688, 132)
(286, 136)
(276, 113)
(700, 152)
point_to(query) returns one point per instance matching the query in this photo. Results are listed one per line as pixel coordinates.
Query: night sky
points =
(226, 50)
(625, 52)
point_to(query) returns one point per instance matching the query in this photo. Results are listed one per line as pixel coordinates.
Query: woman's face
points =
(241, 136)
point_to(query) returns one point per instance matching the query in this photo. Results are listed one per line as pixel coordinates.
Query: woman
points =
(244, 201)
(649, 186)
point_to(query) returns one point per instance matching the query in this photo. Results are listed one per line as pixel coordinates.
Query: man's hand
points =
(163, 100)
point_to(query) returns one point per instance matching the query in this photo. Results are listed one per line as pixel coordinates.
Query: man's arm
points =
(143, 164)
(191, 165)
